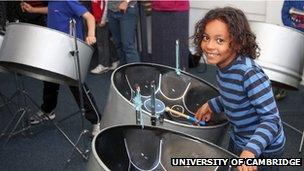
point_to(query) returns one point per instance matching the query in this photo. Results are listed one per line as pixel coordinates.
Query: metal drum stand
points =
(81, 88)
(23, 107)
(5, 102)
(301, 144)
(298, 131)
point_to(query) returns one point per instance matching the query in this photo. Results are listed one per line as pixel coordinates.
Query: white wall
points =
(273, 12)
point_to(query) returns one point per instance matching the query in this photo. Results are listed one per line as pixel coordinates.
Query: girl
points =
(225, 38)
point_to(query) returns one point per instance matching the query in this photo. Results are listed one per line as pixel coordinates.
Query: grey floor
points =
(44, 148)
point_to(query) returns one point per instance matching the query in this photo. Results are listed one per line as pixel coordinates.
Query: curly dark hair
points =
(243, 40)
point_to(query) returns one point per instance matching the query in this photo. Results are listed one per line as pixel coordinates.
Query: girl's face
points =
(216, 44)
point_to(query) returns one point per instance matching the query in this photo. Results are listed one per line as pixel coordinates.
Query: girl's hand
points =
(246, 154)
(204, 113)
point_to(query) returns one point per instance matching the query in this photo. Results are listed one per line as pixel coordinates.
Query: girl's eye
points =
(220, 41)
(205, 38)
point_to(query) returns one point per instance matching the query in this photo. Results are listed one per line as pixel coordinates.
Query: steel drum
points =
(1, 40)
(130, 147)
(184, 93)
(43, 53)
(282, 53)
(2, 70)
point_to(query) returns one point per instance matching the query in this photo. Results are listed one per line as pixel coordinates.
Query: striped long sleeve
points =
(259, 92)
(246, 98)
(216, 104)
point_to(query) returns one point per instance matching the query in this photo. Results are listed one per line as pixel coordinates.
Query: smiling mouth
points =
(212, 55)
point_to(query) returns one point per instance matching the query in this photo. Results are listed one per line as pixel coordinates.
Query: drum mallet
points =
(192, 119)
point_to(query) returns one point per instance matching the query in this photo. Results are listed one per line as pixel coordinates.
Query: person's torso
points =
(237, 105)
(171, 5)
(113, 5)
(98, 9)
(61, 12)
(234, 96)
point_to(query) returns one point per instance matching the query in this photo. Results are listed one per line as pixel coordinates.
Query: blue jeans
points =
(123, 29)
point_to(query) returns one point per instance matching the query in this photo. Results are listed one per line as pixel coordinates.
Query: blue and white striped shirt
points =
(247, 99)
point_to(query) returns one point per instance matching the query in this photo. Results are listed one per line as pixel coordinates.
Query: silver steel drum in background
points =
(1, 40)
(130, 147)
(43, 53)
(282, 53)
(2, 70)
(185, 93)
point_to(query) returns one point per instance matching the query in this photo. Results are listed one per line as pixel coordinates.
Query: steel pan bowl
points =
(3, 70)
(130, 147)
(1, 40)
(43, 53)
(185, 93)
(282, 53)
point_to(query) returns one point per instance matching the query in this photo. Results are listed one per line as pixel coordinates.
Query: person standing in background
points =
(170, 21)
(122, 20)
(105, 49)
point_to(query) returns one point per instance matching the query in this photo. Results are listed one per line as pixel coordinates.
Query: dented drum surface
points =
(131, 147)
(184, 93)
(43, 53)
(282, 53)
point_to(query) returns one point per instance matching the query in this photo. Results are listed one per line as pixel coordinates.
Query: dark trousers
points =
(50, 95)
(105, 48)
(167, 27)
(232, 147)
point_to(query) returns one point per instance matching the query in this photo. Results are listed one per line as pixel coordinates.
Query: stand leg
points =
(78, 140)
(15, 127)
(11, 121)
(92, 102)
(75, 145)
(22, 107)
(25, 108)
(6, 101)
(295, 129)
(71, 142)
(301, 144)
